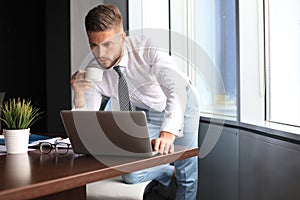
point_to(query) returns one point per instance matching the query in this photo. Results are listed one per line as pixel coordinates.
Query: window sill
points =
(270, 129)
(274, 129)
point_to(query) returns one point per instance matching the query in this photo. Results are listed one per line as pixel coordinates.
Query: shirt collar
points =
(124, 61)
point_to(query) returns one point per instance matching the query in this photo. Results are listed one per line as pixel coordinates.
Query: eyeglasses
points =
(60, 147)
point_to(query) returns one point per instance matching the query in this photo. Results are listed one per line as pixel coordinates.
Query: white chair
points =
(115, 189)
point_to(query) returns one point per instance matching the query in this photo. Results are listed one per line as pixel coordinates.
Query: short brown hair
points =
(103, 17)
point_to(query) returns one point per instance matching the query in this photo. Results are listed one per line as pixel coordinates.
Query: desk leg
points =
(76, 193)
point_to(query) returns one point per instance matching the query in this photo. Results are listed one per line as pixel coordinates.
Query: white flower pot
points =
(16, 141)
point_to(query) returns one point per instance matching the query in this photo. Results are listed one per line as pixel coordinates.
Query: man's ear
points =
(123, 36)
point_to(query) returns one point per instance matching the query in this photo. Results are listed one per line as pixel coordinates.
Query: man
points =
(155, 86)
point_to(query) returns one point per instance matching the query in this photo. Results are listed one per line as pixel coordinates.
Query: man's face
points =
(106, 46)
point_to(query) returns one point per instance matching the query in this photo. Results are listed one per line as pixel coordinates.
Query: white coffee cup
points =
(94, 74)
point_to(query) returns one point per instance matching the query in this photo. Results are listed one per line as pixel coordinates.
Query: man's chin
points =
(105, 65)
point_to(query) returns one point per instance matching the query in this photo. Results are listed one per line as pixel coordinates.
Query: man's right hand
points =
(79, 85)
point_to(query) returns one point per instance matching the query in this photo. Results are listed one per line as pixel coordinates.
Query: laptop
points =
(117, 133)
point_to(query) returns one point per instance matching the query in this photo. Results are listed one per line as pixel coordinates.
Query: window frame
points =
(252, 45)
(252, 99)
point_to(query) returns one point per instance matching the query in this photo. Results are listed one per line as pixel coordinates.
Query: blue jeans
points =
(187, 169)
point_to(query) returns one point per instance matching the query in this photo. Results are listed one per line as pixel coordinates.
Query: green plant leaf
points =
(19, 114)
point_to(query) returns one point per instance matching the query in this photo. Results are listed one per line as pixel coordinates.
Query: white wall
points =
(79, 44)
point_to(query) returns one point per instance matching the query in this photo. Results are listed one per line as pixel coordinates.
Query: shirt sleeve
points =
(92, 100)
(173, 83)
(79, 109)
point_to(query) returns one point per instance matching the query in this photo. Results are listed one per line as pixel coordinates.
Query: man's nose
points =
(99, 51)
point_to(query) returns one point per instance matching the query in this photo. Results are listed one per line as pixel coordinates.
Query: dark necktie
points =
(104, 102)
(124, 100)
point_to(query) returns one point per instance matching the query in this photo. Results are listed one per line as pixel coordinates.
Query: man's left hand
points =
(165, 143)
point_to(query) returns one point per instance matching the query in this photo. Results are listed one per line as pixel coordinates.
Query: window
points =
(256, 83)
(282, 25)
(269, 65)
(215, 32)
(201, 37)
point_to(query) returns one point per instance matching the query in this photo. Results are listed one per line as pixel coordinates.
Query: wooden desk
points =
(51, 176)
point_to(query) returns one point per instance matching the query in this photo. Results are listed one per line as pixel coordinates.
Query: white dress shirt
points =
(153, 79)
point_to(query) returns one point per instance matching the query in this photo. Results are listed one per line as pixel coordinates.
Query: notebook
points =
(119, 133)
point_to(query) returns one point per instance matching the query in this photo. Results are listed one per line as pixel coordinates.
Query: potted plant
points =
(18, 116)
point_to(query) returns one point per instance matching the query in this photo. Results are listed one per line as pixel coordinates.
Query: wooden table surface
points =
(36, 175)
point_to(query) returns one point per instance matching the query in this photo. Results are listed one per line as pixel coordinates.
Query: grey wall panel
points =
(218, 171)
(269, 168)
